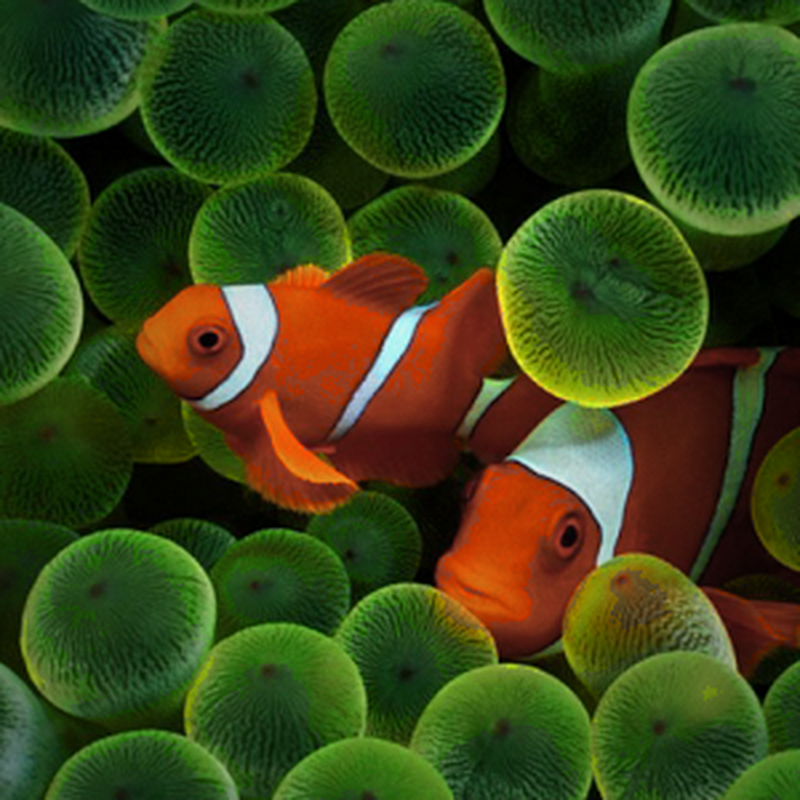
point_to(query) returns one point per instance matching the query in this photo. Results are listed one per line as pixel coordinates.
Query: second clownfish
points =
(321, 380)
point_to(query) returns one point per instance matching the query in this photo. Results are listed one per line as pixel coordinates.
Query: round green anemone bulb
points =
(714, 128)
(25, 547)
(268, 696)
(415, 88)
(225, 98)
(146, 765)
(601, 298)
(575, 37)
(773, 777)
(42, 181)
(30, 751)
(109, 362)
(67, 70)
(631, 607)
(254, 231)
(328, 160)
(137, 9)
(280, 575)
(510, 731)
(775, 500)
(782, 710)
(65, 455)
(246, 6)
(363, 767)
(204, 540)
(408, 640)
(677, 725)
(446, 234)
(376, 538)
(133, 615)
(41, 307)
(778, 12)
(211, 446)
(133, 255)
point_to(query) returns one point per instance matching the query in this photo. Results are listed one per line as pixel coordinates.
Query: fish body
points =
(319, 381)
(568, 487)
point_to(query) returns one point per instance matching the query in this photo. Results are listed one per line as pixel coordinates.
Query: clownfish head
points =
(208, 342)
(523, 546)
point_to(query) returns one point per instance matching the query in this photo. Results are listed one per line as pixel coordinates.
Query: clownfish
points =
(322, 380)
(568, 487)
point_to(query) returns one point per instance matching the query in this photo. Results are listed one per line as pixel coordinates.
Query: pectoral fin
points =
(285, 471)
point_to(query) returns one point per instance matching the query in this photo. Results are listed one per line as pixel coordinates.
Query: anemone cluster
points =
(630, 170)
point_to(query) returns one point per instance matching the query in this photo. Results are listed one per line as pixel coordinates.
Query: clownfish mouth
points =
(485, 606)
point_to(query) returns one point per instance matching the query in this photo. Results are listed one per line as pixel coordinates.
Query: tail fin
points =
(756, 627)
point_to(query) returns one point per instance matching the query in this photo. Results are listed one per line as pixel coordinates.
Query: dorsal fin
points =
(382, 281)
(307, 276)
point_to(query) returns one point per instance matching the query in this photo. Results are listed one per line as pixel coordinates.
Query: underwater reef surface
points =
(354, 351)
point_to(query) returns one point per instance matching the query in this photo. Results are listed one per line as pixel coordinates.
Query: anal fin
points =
(286, 472)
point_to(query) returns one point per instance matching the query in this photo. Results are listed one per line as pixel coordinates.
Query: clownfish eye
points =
(205, 340)
(567, 537)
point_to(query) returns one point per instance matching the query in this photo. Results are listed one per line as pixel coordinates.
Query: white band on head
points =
(255, 318)
(394, 347)
(587, 451)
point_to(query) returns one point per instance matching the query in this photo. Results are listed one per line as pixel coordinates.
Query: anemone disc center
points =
(659, 726)
(97, 589)
(502, 728)
(743, 85)
(406, 673)
(391, 50)
(251, 78)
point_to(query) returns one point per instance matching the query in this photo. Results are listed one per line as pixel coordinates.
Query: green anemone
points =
(408, 640)
(133, 255)
(415, 88)
(253, 231)
(601, 298)
(65, 455)
(42, 181)
(446, 234)
(227, 97)
(67, 70)
(41, 306)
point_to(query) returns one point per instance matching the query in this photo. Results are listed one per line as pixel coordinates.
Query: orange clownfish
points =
(568, 487)
(321, 380)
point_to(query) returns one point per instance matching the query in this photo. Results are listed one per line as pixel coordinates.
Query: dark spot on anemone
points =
(122, 794)
(580, 291)
(269, 670)
(369, 795)
(47, 434)
(783, 480)
(406, 673)
(659, 726)
(151, 422)
(349, 554)
(391, 50)
(251, 79)
(613, 262)
(172, 267)
(452, 258)
(743, 85)
(502, 728)
(621, 581)
(97, 589)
